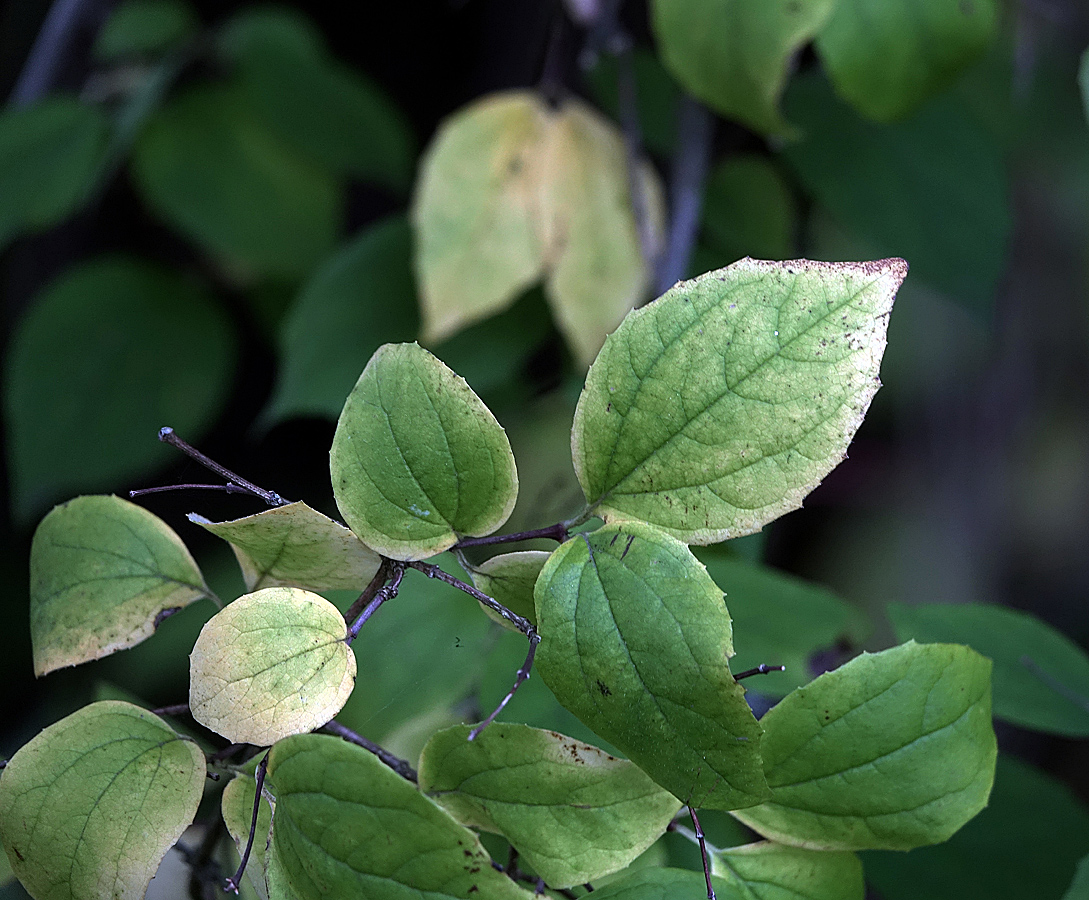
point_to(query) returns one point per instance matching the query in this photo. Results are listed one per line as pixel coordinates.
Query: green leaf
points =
(103, 572)
(417, 458)
(718, 407)
(770, 871)
(271, 664)
(144, 28)
(347, 826)
(105, 350)
(326, 110)
(50, 158)
(236, 805)
(1026, 843)
(571, 811)
(777, 619)
(893, 750)
(634, 641)
(210, 168)
(90, 806)
(932, 189)
(296, 546)
(359, 299)
(509, 578)
(1079, 887)
(1041, 677)
(887, 57)
(512, 190)
(666, 884)
(735, 55)
(657, 96)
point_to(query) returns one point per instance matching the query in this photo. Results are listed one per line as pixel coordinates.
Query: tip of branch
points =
(165, 432)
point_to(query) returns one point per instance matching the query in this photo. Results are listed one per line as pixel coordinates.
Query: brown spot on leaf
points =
(604, 688)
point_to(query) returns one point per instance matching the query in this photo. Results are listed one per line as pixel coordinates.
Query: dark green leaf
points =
(634, 641)
(1041, 677)
(770, 871)
(144, 27)
(666, 884)
(748, 210)
(109, 350)
(657, 96)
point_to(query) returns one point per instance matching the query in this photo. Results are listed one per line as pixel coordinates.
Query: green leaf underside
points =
(296, 546)
(886, 57)
(509, 578)
(573, 812)
(1041, 677)
(717, 408)
(770, 871)
(666, 884)
(891, 751)
(90, 806)
(734, 55)
(417, 458)
(347, 826)
(101, 571)
(271, 664)
(634, 641)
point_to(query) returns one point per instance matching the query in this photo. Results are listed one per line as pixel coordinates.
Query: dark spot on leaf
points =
(604, 688)
(472, 889)
(163, 614)
(609, 407)
(15, 850)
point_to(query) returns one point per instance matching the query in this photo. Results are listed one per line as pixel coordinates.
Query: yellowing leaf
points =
(272, 664)
(513, 190)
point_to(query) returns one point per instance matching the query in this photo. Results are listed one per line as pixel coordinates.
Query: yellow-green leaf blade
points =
(509, 578)
(89, 807)
(388, 841)
(770, 871)
(102, 571)
(634, 641)
(296, 546)
(717, 408)
(418, 459)
(892, 751)
(271, 664)
(571, 810)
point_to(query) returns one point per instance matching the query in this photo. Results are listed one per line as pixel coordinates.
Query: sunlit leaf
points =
(572, 812)
(888, 56)
(509, 578)
(103, 574)
(1041, 677)
(89, 807)
(770, 871)
(271, 664)
(736, 55)
(91, 350)
(634, 641)
(347, 826)
(893, 750)
(296, 546)
(209, 167)
(144, 27)
(50, 155)
(718, 407)
(417, 458)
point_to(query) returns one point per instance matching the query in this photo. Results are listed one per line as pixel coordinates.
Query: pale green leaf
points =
(90, 350)
(50, 156)
(509, 578)
(1041, 677)
(236, 805)
(887, 57)
(777, 619)
(513, 190)
(347, 826)
(271, 664)
(735, 55)
(417, 458)
(718, 407)
(634, 641)
(90, 806)
(893, 750)
(573, 812)
(211, 168)
(356, 301)
(103, 574)
(666, 884)
(770, 871)
(144, 27)
(296, 546)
